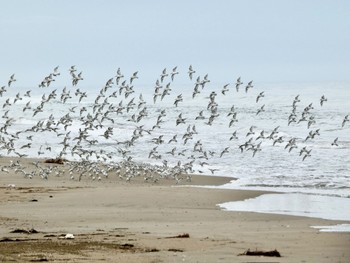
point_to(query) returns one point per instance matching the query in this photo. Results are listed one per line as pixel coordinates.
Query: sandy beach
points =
(113, 220)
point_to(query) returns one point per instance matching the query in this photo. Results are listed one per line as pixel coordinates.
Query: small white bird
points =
(163, 75)
(12, 79)
(346, 119)
(134, 76)
(261, 109)
(261, 95)
(55, 72)
(191, 72)
(173, 73)
(224, 151)
(238, 83)
(322, 100)
(335, 142)
(180, 119)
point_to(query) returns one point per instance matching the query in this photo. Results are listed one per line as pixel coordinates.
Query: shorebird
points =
(18, 97)
(55, 72)
(278, 140)
(163, 75)
(119, 76)
(307, 154)
(345, 120)
(261, 109)
(180, 120)
(166, 91)
(311, 135)
(273, 133)
(251, 131)
(255, 148)
(296, 99)
(261, 95)
(191, 72)
(335, 142)
(72, 69)
(303, 150)
(12, 79)
(172, 152)
(2, 90)
(292, 118)
(238, 83)
(322, 100)
(134, 76)
(261, 135)
(233, 120)
(234, 136)
(158, 140)
(200, 116)
(311, 121)
(173, 139)
(178, 99)
(76, 78)
(291, 144)
(213, 170)
(225, 89)
(226, 150)
(205, 80)
(173, 73)
(249, 86)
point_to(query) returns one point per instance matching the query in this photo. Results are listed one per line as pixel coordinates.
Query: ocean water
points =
(203, 147)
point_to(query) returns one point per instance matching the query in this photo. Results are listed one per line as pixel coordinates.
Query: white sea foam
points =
(308, 205)
(334, 228)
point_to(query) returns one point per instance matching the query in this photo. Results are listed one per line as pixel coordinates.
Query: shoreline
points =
(115, 220)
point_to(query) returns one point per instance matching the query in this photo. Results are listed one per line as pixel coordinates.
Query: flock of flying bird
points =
(104, 116)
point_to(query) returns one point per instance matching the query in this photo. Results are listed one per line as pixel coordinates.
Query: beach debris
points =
(126, 246)
(11, 186)
(184, 235)
(175, 250)
(7, 239)
(149, 250)
(56, 161)
(40, 260)
(272, 253)
(25, 231)
(67, 236)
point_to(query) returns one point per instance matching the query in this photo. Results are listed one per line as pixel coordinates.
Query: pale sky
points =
(260, 40)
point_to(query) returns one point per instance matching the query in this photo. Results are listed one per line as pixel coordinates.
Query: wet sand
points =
(117, 221)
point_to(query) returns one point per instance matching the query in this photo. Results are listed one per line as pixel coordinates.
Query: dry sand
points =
(117, 221)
